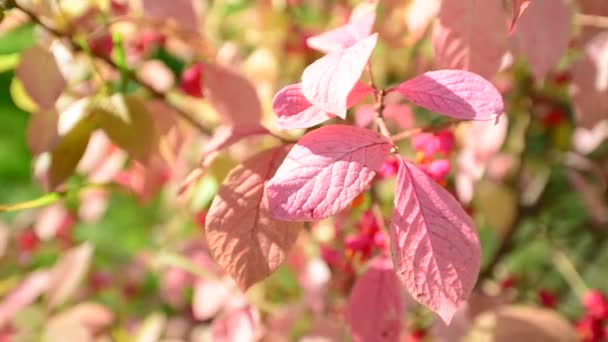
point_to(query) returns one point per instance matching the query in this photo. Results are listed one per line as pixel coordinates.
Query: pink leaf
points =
(433, 242)
(233, 96)
(68, 273)
(420, 15)
(344, 36)
(375, 307)
(40, 76)
(399, 115)
(543, 34)
(181, 12)
(519, 7)
(239, 325)
(210, 296)
(242, 236)
(42, 133)
(328, 81)
(590, 83)
(325, 171)
(23, 295)
(455, 93)
(471, 35)
(226, 136)
(295, 112)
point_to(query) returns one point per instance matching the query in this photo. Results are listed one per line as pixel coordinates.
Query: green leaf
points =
(66, 155)
(17, 39)
(126, 120)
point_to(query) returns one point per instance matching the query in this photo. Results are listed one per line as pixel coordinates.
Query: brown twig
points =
(130, 74)
(592, 20)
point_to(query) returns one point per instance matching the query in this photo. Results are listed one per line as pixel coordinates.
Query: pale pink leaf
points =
(455, 93)
(210, 296)
(295, 111)
(238, 325)
(40, 76)
(328, 81)
(325, 171)
(375, 307)
(434, 243)
(586, 141)
(471, 35)
(233, 96)
(420, 15)
(157, 75)
(590, 83)
(241, 234)
(181, 12)
(344, 36)
(23, 295)
(226, 136)
(543, 34)
(519, 7)
(68, 273)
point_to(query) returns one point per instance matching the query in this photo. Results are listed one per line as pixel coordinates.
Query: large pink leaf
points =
(242, 236)
(434, 243)
(455, 93)
(344, 36)
(328, 81)
(295, 111)
(233, 96)
(543, 34)
(471, 35)
(590, 83)
(375, 307)
(40, 76)
(519, 6)
(325, 171)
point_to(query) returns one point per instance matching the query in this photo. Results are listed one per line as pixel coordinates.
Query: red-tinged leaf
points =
(590, 83)
(420, 15)
(375, 307)
(233, 96)
(455, 93)
(295, 111)
(23, 295)
(40, 76)
(434, 243)
(471, 35)
(181, 12)
(226, 136)
(328, 81)
(356, 29)
(68, 273)
(68, 152)
(325, 171)
(127, 122)
(238, 325)
(241, 234)
(543, 34)
(42, 134)
(519, 7)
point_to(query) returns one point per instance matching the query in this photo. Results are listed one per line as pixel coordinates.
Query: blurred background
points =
(118, 252)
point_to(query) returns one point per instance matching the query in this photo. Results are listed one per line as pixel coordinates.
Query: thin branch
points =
(592, 20)
(409, 133)
(130, 74)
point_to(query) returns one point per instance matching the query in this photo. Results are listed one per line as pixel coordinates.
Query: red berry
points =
(101, 45)
(596, 304)
(29, 241)
(192, 81)
(547, 298)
